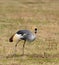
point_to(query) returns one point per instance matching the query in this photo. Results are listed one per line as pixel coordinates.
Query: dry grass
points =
(28, 14)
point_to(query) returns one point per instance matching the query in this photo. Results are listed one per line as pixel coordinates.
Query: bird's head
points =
(35, 30)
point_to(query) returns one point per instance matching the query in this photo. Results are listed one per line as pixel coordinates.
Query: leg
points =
(16, 45)
(23, 47)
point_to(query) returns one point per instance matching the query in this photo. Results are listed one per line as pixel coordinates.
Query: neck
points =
(35, 32)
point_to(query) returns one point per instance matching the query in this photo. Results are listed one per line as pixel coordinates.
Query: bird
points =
(25, 35)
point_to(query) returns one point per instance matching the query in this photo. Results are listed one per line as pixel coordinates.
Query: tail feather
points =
(11, 38)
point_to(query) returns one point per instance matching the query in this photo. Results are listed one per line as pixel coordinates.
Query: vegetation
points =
(28, 14)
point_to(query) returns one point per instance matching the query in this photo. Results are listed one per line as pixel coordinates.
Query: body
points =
(26, 35)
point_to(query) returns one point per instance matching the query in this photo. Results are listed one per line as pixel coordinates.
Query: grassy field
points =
(28, 14)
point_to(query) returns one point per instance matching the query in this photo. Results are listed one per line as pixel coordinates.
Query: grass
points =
(28, 14)
(27, 60)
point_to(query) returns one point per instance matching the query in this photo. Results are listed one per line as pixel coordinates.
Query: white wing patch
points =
(17, 37)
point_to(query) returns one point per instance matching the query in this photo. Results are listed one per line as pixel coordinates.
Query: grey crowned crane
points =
(25, 35)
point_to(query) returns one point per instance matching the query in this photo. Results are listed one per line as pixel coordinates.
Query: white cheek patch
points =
(17, 37)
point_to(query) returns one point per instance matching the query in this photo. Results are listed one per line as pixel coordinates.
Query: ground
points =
(28, 14)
